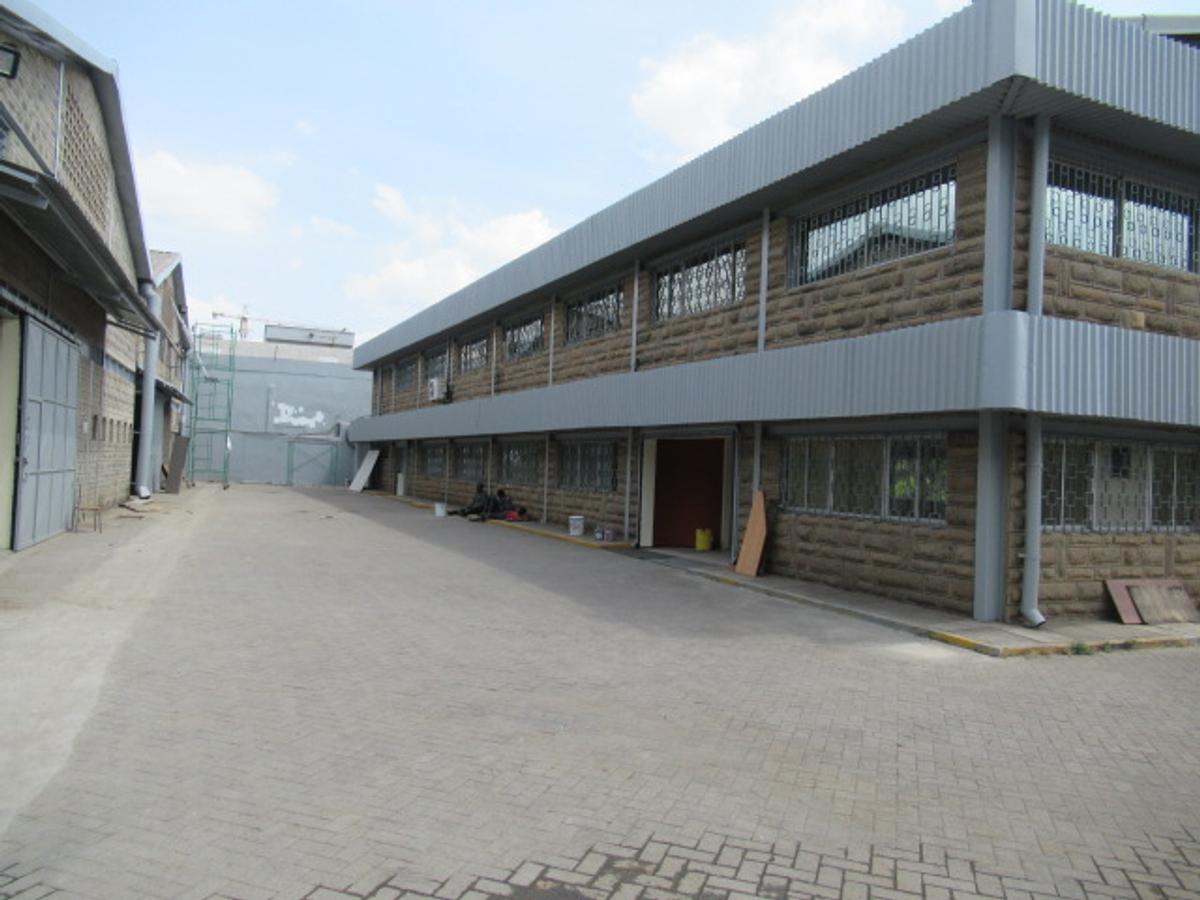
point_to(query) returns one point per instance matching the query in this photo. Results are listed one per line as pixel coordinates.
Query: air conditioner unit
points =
(437, 390)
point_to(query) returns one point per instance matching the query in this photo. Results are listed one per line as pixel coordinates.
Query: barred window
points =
(908, 217)
(1106, 213)
(597, 315)
(521, 462)
(473, 356)
(404, 376)
(898, 478)
(435, 364)
(588, 466)
(433, 460)
(1109, 486)
(525, 338)
(714, 278)
(470, 460)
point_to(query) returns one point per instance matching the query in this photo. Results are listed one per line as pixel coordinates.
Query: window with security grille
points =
(473, 356)
(521, 462)
(598, 315)
(404, 377)
(905, 218)
(1109, 214)
(433, 460)
(525, 338)
(470, 460)
(713, 278)
(847, 476)
(435, 364)
(588, 466)
(1109, 486)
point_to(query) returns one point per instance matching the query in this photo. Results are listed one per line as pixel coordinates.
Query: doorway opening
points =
(686, 487)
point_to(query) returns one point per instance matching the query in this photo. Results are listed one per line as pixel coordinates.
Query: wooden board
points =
(1163, 600)
(179, 450)
(364, 471)
(755, 541)
(1118, 589)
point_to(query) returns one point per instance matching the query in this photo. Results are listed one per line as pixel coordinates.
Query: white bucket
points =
(575, 526)
(439, 510)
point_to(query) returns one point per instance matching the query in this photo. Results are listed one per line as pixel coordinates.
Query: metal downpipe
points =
(1031, 575)
(145, 455)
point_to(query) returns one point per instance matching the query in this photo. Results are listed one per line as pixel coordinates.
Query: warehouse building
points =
(945, 313)
(79, 309)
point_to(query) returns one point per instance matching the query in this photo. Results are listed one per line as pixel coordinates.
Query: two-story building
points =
(945, 313)
(77, 291)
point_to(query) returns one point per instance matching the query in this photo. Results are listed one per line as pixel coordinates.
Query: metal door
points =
(46, 467)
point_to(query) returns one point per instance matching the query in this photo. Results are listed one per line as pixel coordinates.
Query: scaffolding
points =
(212, 366)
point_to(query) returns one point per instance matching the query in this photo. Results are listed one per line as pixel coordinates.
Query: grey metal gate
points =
(46, 467)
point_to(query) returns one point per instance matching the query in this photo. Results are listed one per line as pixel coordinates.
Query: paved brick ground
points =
(335, 696)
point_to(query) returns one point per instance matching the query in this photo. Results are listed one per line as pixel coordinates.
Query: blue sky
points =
(345, 165)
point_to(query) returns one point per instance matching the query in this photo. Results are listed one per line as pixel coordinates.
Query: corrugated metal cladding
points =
(1068, 47)
(1005, 360)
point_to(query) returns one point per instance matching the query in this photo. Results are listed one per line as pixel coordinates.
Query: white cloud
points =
(305, 127)
(435, 254)
(330, 227)
(708, 88)
(214, 195)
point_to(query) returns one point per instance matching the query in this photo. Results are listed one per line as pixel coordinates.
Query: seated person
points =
(478, 505)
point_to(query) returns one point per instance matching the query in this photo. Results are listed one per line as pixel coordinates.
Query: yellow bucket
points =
(703, 538)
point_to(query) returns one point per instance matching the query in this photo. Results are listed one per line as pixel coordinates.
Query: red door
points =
(689, 478)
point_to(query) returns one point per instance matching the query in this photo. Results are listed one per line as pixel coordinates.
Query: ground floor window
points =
(433, 460)
(588, 466)
(469, 461)
(521, 462)
(898, 477)
(1107, 485)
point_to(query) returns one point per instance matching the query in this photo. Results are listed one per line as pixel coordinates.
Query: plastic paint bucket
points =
(575, 526)
(704, 538)
(439, 510)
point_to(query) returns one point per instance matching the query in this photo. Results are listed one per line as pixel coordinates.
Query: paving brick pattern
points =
(328, 696)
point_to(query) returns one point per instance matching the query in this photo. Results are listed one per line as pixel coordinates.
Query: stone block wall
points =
(1121, 292)
(925, 563)
(945, 283)
(724, 331)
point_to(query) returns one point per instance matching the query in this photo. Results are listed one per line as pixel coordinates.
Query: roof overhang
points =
(45, 211)
(1094, 74)
(35, 27)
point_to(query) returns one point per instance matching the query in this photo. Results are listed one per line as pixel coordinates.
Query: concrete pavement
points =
(275, 693)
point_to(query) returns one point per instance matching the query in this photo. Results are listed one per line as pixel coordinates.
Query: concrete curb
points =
(1066, 648)
(578, 542)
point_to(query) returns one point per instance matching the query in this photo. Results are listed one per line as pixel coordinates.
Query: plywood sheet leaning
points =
(1118, 589)
(1162, 600)
(750, 558)
(179, 451)
(364, 471)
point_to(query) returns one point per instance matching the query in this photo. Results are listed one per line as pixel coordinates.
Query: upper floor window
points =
(907, 217)
(404, 376)
(588, 466)
(713, 278)
(901, 477)
(473, 356)
(1106, 213)
(1120, 485)
(435, 364)
(521, 462)
(596, 315)
(525, 338)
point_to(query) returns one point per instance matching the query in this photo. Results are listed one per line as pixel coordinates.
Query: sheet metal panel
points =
(1002, 361)
(1097, 59)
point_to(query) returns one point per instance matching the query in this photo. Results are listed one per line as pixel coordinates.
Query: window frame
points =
(512, 348)
(430, 355)
(734, 243)
(426, 448)
(539, 462)
(828, 478)
(408, 366)
(843, 206)
(578, 484)
(477, 351)
(1122, 181)
(577, 307)
(458, 458)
